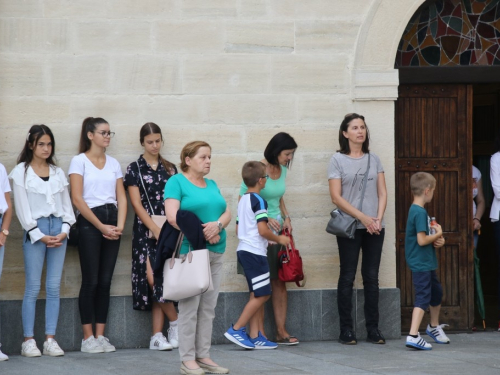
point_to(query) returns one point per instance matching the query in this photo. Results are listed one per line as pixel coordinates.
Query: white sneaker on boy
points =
(437, 333)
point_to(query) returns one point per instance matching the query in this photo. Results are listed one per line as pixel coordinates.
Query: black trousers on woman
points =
(97, 262)
(349, 250)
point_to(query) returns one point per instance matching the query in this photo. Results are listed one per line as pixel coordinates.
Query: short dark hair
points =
(281, 141)
(252, 172)
(89, 125)
(35, 133)
(344, 142)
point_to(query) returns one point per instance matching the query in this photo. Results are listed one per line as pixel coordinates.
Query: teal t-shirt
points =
(419, 258)
(272, 193)
(207, 203)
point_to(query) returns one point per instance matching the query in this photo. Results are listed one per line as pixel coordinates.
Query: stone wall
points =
(230, 72)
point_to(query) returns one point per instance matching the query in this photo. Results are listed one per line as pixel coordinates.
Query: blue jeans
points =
(34, 257)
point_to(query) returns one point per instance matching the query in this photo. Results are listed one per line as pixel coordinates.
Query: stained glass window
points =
(451, 33)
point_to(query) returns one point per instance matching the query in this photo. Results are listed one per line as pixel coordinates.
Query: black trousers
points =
(97, 262)
(371, 246)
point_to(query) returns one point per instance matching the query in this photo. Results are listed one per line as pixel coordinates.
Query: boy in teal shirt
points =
(420, 256)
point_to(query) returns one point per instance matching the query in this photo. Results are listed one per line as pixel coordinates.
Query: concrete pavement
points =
(476, 353)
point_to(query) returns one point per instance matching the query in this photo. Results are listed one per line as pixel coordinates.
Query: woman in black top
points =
(145, 181)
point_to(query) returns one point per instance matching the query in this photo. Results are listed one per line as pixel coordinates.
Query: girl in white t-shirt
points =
(44, 210)
(5, 219)
(97, 192)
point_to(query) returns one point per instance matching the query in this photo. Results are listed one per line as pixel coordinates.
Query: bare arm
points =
(265, 232)
(480, 205)
(121, 199)
(424, 239)
(382, 198)
(7, 218)
(135, 199)
(171, 208)
(287, 223)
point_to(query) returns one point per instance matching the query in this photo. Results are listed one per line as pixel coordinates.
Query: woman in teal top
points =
(278, 156)
(191, 191)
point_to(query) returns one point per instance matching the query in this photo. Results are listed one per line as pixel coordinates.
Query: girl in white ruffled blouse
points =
(44, 209)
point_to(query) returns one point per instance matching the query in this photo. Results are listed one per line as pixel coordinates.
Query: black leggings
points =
(97, 262)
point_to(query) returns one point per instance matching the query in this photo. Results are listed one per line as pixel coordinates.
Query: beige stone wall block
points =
(82, 74)
(258, 136)
(147, 9)
(254, 9)
(320, 9)
(21, 8)
(209, 9)
(74, 9)
(310, 74)
(33, 35)
(226, 170)
(260, 37)
(323, 109)
(145, 74)
(21, 112)
(317, 138)
(176, 110)
(315, 165)
(227, 75)
(117, 36)
(325, 36)
(21, 75)
(251, 109)
(311, 201)
(193, 36)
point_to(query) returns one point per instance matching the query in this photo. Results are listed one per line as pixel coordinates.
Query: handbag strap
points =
(365, 179)
(145, 192)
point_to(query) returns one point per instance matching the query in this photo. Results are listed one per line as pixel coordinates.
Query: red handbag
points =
(290, 263)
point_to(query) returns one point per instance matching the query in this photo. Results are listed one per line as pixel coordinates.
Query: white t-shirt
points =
(476, 176)
(252, 209)
(4, 188)
(99, 185)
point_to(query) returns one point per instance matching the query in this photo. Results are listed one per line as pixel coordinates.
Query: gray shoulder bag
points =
(342, 224)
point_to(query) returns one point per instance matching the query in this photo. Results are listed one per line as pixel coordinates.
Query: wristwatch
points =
(219, 224)
(5, 231)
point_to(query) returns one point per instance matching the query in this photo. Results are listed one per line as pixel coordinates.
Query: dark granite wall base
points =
(312, 316)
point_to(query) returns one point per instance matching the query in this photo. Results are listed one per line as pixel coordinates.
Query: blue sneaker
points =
(261, 342)
(239, 337)
(417, 343)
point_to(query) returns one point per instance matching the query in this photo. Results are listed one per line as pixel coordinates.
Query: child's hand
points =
(439, 242)
(284, 240)
(438, 229)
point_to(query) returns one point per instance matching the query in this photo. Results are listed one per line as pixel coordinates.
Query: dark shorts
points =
(272, 260)
(256, 272)
(428, 290)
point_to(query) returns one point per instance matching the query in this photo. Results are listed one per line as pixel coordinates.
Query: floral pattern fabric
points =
(142, 246)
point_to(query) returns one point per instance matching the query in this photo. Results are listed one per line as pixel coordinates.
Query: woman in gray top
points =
(346, 177)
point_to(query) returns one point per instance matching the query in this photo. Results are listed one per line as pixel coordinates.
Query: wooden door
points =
(434, 134)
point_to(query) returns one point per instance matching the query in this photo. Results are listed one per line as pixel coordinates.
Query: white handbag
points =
(187, 276)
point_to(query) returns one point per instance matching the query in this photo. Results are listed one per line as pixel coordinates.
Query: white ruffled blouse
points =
(35, 198)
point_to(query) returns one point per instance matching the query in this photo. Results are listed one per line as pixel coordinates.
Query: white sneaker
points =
(52, 348)
(173, 336)
(159, 342)
(438, 334)
(417, 343)
(104, 341)
(29, 349)
(92, 345)
(3, 357)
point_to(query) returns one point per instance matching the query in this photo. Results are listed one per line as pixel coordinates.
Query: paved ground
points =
(477, 354)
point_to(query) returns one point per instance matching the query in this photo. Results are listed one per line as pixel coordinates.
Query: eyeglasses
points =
(266, 176)
(106, 134)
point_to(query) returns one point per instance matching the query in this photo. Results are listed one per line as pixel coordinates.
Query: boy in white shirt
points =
(253, 233)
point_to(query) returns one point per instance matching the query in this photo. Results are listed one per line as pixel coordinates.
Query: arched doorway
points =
(447, 108)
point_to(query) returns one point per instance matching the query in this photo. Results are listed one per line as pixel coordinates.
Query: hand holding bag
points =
(342, 224)
(187, 276)
(159, 220)
(290, 263)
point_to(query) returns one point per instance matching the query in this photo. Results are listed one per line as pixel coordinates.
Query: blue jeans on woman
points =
(34, 258)
(97, 262)
(349, 255)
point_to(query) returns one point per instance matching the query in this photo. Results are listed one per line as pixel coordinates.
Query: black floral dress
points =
(142, 246)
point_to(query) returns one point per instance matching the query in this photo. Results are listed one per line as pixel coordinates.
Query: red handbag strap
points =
(290, 247)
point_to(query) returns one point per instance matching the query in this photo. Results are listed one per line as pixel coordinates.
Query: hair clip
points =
(28, 137)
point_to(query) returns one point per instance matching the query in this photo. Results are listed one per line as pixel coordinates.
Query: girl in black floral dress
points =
(145, 181)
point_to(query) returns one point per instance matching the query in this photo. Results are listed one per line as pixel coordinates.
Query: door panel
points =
(434, 134)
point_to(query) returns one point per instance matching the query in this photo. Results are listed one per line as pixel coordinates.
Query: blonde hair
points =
(189, 151)
(421, 181)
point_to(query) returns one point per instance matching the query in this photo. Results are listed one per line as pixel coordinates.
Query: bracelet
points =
(287, 217)
(476, 219)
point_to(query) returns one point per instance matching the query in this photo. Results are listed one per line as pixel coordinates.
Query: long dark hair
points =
(36, 132)
(151, 128)
(89, 125)
(281, 141)
(344, 142)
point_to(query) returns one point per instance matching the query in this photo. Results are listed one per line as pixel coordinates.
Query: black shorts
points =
(256, 271)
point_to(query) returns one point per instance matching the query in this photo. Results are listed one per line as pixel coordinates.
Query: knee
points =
(53, 290)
